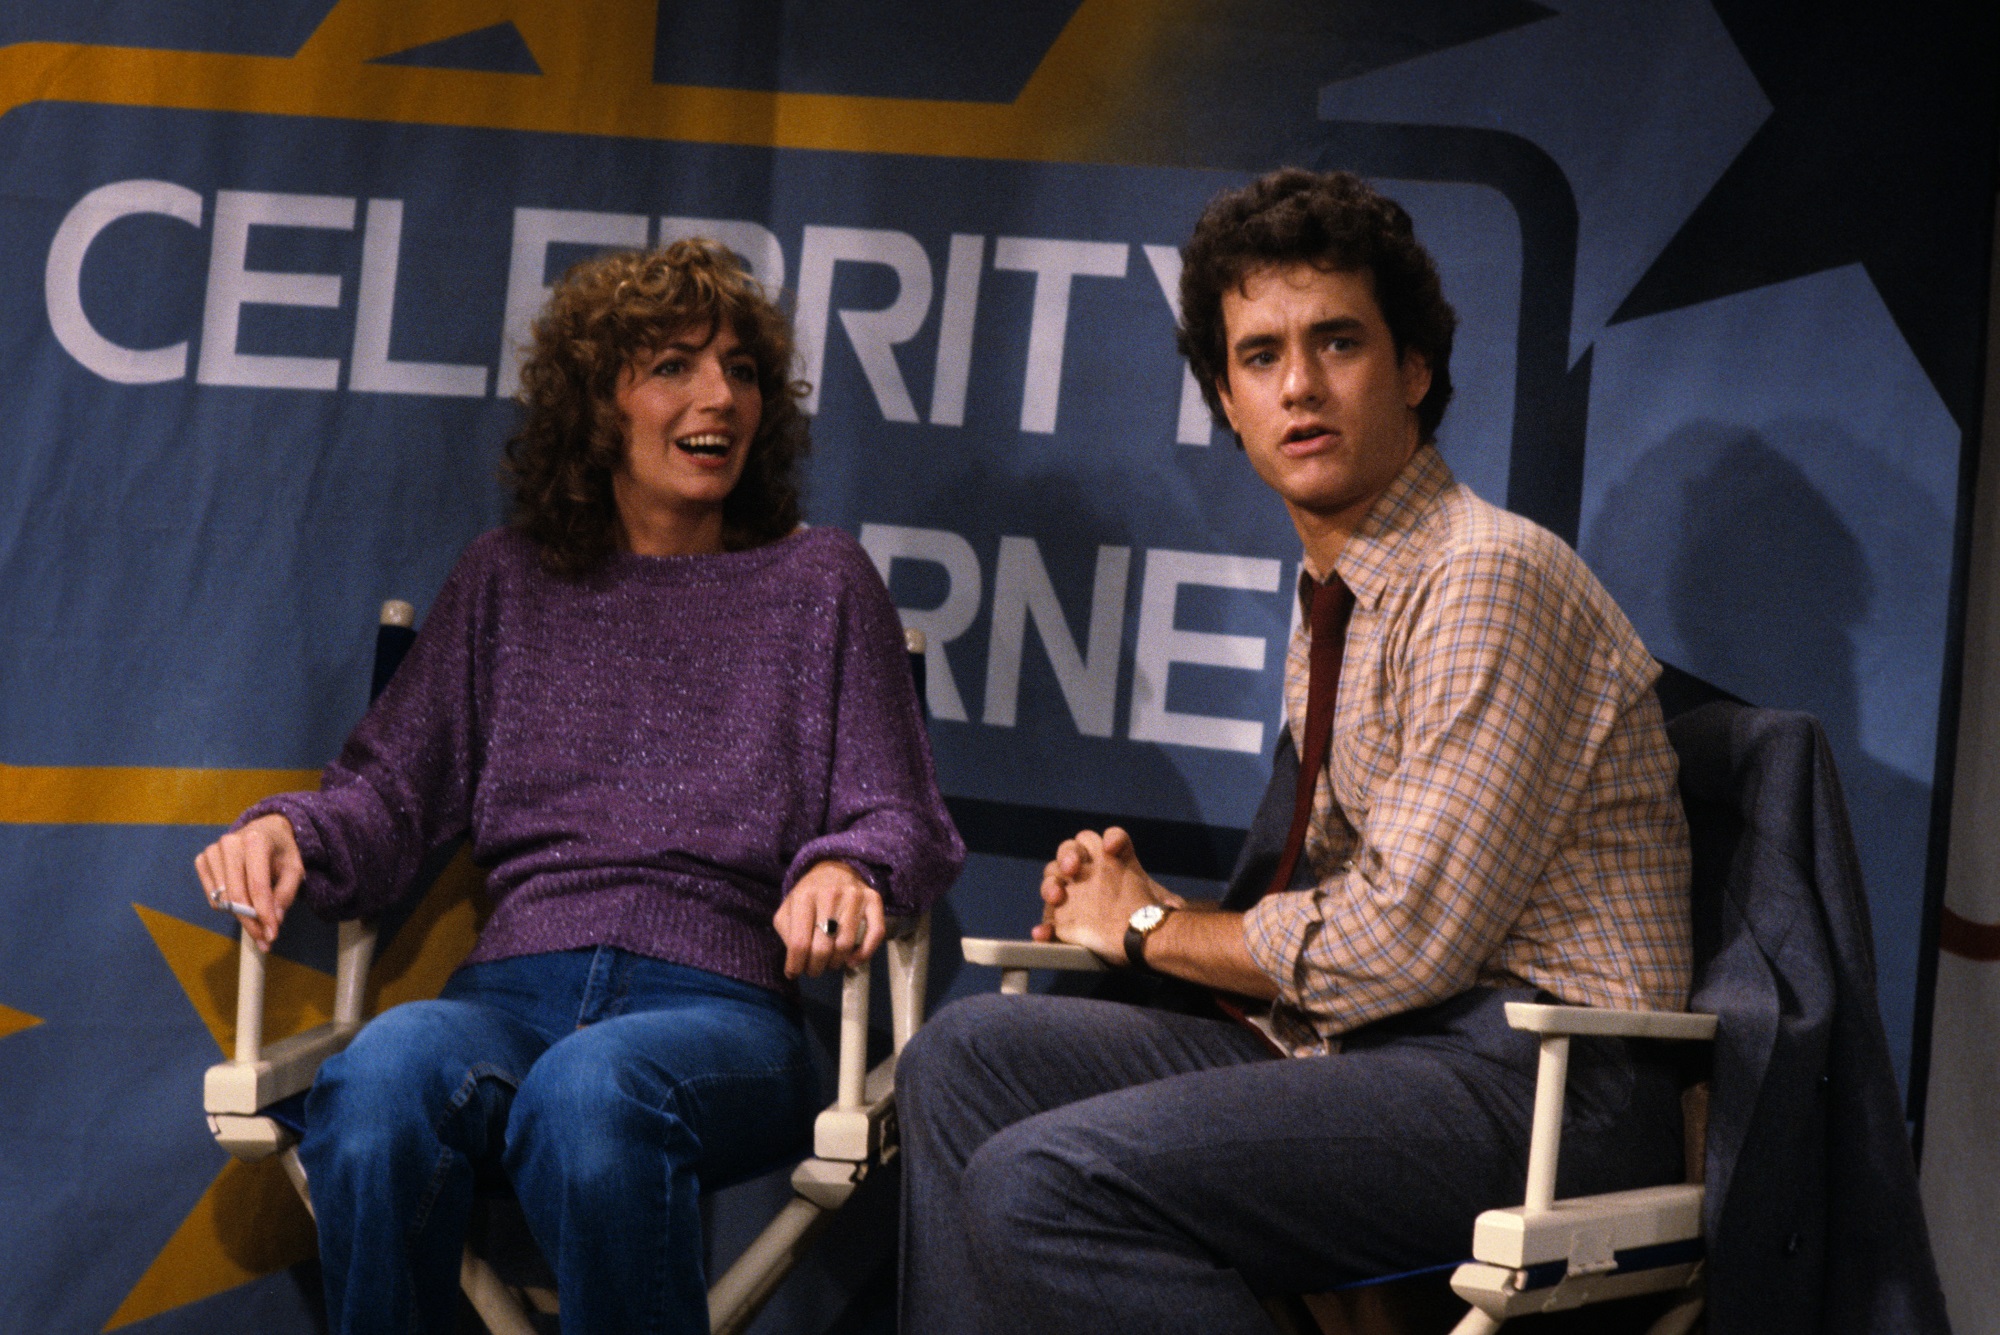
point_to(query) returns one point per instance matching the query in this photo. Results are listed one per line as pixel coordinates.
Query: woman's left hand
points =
(832, 918)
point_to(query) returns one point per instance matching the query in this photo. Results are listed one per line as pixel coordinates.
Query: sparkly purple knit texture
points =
(647, 759)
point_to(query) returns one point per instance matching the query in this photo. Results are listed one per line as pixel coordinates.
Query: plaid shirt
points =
(1499, 802)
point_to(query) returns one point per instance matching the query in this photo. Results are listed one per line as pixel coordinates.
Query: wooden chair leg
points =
(489, 1295)
(1682, 1316)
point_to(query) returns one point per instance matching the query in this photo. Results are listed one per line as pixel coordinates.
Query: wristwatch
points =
(1138, 927)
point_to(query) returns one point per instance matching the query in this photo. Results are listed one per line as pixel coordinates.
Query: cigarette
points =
(243, 911)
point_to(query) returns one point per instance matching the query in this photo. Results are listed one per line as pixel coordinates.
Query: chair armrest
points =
(1556, 1025)
(909, 954)
(859, 1128)
(354, 953)
(1029, 955)
(1015, 958)
(1588, 1231)
(1597, 1022)
(283, 1069)
(260, 1075)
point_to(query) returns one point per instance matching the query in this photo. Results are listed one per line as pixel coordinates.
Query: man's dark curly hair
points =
(1332, 221)
(605, 313)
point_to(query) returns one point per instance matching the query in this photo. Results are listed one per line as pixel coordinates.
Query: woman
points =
(680, 731)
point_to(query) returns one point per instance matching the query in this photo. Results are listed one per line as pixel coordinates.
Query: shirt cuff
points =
(1274, 931)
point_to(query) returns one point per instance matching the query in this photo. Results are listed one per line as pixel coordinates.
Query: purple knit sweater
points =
(648, 759)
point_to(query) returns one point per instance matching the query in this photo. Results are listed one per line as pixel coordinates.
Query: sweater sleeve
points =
(403, 783)
(884, 814)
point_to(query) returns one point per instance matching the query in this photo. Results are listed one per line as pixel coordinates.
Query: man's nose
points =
(1302, 385)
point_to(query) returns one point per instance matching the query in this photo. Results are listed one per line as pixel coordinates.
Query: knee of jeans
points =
(1020, 1183)
(945, 1052)
(383, 1090)
(392, 1062)
(581, 1107)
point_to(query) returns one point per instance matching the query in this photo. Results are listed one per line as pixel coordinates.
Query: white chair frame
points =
(1514, 1250)
(850, 1138)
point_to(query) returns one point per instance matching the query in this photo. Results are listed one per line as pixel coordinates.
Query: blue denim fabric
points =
(608, 1087)
(1073, 1165)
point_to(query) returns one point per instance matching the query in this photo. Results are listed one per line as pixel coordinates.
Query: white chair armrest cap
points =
(1537, 1018)
(1029, 955)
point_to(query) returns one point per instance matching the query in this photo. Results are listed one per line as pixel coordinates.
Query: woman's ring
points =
(831, 927)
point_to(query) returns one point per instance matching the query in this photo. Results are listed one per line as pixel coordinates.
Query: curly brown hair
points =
(606, 312)
(1330, 220)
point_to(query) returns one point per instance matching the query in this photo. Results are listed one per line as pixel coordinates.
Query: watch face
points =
(1147, 918)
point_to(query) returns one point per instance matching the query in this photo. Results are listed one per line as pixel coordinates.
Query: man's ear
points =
(1416, 371)
(1228, 405)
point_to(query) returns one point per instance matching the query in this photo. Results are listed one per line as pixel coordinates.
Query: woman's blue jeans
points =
(610, 1088)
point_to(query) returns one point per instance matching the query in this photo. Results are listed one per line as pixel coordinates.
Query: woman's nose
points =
(712, 387)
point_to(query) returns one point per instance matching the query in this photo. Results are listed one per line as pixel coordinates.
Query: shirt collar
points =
(1371, 559)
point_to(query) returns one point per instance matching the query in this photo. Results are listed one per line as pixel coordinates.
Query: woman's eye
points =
(745, 372)
(671, 366)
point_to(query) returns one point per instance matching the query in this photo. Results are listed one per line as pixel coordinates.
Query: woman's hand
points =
(258, 866)
(832, 918)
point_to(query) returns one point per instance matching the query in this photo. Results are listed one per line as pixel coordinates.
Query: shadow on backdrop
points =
(1719, 540)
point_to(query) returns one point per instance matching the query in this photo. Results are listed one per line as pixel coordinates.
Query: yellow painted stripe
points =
(120, 795)
(597, 58)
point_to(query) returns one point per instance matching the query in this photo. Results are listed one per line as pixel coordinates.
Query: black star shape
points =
(1879, 151)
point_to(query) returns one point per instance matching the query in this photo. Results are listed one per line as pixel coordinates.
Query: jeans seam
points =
(708, 1079)
(453, 1107)
(769, 1075)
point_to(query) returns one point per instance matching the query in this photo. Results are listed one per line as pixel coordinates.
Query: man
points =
(1489, 813)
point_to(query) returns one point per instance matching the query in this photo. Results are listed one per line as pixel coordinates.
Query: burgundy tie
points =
(1332, 602)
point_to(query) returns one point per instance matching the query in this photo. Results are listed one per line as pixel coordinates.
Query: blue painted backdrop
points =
(1720, 271)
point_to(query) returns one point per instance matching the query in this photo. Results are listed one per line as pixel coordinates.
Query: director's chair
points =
(1546, 1254)
(255, 1102)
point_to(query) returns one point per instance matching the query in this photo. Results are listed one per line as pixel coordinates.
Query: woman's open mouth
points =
(708, 446)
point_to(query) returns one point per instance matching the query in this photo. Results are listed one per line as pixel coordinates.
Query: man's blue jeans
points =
(610, 1088)
(1103, 1169)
